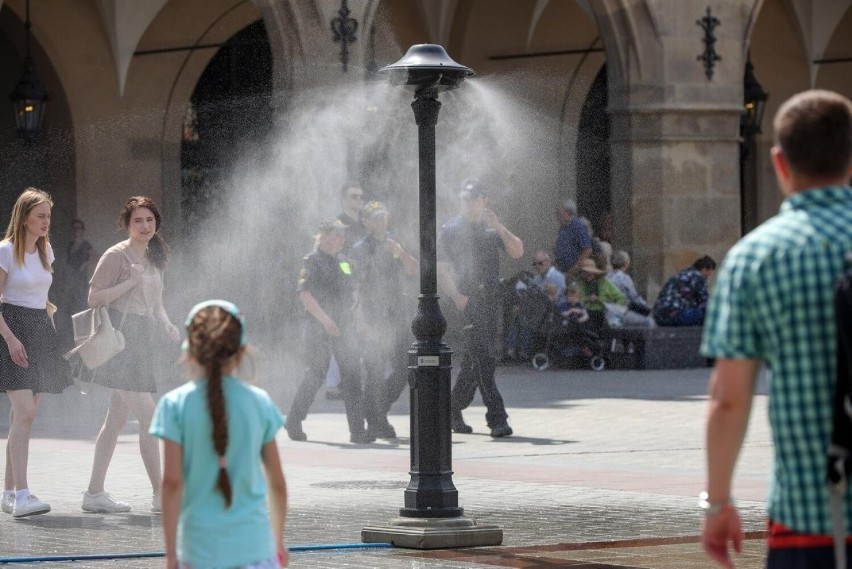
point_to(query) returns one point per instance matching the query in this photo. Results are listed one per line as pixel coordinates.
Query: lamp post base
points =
(433, 533)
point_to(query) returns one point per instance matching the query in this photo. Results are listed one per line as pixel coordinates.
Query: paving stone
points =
(603, 466)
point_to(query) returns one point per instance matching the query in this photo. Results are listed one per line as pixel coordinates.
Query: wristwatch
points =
(711, 509)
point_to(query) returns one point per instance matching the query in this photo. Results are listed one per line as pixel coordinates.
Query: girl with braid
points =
(216, 432)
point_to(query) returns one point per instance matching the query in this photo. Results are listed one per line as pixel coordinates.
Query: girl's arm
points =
(171, 491)
(162, 317)
(16, 348)
(277, 496)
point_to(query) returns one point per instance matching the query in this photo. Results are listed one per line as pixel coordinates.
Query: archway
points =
(230, 113)
(594, 198)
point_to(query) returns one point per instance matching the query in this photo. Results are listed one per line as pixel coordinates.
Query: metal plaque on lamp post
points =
(431, 517)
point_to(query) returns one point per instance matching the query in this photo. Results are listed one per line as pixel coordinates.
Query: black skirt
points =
(132, 369)
(48, 372)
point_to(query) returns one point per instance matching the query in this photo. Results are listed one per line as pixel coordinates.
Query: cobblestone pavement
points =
(602, 472)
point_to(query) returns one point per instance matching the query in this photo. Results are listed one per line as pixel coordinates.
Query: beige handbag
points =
(96, 340)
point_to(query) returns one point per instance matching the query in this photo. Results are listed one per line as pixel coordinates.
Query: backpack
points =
(840, 450)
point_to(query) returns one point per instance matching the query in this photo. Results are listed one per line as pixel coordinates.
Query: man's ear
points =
(779, 163)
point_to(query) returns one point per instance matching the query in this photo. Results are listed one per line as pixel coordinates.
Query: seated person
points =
(683, 300)
(551, 291)
(596, 292)
(571, 307)
(638, 310)
(545, 272)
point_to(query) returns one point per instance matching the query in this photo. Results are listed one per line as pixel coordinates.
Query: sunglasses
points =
(359, 197)
(539, 263)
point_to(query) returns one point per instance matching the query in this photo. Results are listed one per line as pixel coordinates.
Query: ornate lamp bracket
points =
(343, 30)
(709, 23)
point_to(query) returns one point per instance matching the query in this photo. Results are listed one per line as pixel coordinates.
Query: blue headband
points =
(230, 307)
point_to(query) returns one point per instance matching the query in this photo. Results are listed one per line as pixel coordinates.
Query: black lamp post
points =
(431, 517)
(29, 97)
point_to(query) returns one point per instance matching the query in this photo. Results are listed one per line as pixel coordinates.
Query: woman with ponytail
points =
(129, 281)
(215, 511)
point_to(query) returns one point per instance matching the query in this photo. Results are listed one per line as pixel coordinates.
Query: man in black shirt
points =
(326, 290)
(382, 321)
(469, 248)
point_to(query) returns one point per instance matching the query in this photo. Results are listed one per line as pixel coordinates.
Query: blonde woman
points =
(32, 364)
(129, 280)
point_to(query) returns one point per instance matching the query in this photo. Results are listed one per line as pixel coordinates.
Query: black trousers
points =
(479, 360)
(318, 349)
(385, 355)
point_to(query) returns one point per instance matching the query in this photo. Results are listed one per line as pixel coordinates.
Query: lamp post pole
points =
(431, 517)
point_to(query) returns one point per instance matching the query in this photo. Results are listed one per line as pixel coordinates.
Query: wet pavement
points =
(603, 471)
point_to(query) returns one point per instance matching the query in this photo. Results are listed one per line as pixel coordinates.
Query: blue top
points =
(552, 276)
(573, 239)
(473, 250)
(209, 534)
(687, 289)
(773, 301)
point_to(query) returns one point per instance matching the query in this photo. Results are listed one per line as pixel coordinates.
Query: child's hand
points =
(283, 557)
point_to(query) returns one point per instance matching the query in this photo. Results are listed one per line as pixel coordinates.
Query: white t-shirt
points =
(26, 286)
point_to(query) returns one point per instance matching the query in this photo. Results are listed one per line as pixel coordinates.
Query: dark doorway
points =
(230, 114)
(594, 199)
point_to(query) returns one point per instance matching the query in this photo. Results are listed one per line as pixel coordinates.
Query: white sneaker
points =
(29, 506)
(156, 503)
(104, 503)
(7, 505)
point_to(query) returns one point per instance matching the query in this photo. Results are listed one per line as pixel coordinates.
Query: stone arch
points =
(231, 108)
(214, 30)
(835, 70)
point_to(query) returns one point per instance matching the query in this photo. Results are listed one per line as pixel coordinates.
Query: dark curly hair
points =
(158, 249)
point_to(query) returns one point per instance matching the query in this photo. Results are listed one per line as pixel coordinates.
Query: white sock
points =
(7, 493)
(21, 495)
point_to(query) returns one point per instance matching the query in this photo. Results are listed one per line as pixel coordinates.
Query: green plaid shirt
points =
(773, 301)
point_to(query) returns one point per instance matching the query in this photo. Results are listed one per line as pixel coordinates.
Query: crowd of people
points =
(212, 494)
(585, 276)
(226, 504)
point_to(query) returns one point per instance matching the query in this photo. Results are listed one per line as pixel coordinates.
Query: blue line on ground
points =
(106, 556)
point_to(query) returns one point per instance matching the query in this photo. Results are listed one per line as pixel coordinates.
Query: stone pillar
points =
(675, 132)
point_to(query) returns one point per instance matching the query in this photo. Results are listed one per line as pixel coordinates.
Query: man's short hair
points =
(570, 206)
(814, 131)
(705, 262)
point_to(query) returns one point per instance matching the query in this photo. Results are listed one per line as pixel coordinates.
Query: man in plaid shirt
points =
(773, 305)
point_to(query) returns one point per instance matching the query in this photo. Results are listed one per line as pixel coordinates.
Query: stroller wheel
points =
(540, 361)
(597, 363)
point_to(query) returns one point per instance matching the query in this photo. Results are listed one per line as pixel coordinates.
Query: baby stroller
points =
(556, 340)
(568, 343)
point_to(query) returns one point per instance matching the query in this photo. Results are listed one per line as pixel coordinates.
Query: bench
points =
(664, 347)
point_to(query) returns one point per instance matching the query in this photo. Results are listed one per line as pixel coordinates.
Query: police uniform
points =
(473, 250)
(329, 279)
(380, 293)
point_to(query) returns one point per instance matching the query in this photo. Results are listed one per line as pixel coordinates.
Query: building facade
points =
(263, 109)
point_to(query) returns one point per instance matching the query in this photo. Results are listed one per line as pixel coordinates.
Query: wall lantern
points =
(29, 97)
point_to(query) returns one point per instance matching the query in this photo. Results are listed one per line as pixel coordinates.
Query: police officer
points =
(469, 248)
(379, 263)
(326, 290)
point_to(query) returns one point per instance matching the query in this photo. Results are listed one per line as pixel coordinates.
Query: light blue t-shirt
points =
(209, 534)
